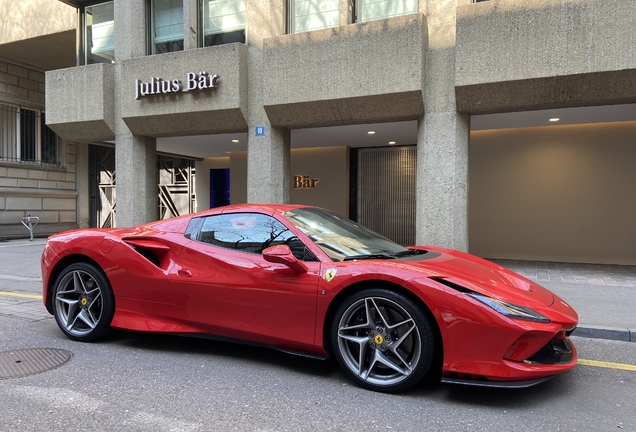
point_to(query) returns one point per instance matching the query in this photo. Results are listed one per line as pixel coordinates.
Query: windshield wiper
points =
(368, 256)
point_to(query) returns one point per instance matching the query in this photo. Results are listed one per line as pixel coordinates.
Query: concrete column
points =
(130, 29)
(442, 141)
(442, 180)
(268, 167)
(190, 24)
(345, 13)
(135, 156)
(82, 184)
(136, 165)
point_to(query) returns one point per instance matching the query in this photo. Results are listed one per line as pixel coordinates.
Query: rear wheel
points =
(382, 340)
(83, 302)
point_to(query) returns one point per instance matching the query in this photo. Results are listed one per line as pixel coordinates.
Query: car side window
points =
(250, 232)
(193, 228)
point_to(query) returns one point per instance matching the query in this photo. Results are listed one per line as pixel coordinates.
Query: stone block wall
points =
(46, 191)
(18, 83)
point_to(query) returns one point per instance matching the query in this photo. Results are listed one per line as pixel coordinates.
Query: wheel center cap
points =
(379, 339)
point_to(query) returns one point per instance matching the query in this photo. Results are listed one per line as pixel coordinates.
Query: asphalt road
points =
(142, 382)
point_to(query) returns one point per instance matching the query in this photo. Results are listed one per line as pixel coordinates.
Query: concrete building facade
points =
(458, 95)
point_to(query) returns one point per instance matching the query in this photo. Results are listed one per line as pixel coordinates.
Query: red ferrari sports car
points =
(306, 280)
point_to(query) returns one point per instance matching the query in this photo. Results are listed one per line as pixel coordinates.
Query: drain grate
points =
(31, 361)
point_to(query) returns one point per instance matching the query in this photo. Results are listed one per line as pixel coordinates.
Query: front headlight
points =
(510, 310)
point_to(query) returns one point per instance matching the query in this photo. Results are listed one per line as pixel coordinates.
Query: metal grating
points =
(176, 186)
(31, 361)
(386, 192)
(103, 200)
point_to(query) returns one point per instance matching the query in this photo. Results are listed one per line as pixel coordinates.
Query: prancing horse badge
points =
(330, 274)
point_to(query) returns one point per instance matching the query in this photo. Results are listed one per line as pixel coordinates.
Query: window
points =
(166, 23)
(99, 33)
(24, 136)
(223, 22)
(28, 135)
(9, 132)
(248, 232)
(305, 15)
(369, 10)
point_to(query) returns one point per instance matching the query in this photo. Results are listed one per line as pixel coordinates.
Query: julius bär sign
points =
(305, 182)
(193, 82)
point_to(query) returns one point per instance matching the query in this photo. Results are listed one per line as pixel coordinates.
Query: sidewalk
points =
(604, 296)
(20, 280)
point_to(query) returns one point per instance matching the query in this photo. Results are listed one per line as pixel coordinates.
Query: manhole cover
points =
(31, 361)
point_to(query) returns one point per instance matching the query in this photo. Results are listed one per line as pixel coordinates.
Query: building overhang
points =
(516, 55)
(80, 102)
(361, 73)
(192, 92)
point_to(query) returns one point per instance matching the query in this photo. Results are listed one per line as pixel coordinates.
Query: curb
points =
(610, 333)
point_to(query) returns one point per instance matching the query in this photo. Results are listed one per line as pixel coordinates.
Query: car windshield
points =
(341, 238)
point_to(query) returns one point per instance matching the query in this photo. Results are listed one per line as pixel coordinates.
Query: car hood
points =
(481, 276)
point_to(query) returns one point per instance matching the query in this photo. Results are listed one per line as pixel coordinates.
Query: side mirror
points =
(281, 254)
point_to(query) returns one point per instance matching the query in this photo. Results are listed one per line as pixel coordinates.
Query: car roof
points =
(251, 208)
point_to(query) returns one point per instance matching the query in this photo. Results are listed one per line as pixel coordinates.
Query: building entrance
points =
(385, 199)
(176, 181)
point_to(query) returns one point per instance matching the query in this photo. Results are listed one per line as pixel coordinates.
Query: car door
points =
(223, 285)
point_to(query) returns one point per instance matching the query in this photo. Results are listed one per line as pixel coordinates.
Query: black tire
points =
(83, 302)
(390, 351)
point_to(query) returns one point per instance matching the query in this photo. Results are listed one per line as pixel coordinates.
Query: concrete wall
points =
(21, 20)
(238, 177)
(38, 33)
(353, 74)
(521, 54)
(213, 110)
(559, 193)
(330, 165)
(80, 102)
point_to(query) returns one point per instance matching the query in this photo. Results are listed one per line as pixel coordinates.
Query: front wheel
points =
(382, 340)
(83, 302)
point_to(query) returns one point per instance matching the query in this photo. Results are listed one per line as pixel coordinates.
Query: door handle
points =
(184, 273)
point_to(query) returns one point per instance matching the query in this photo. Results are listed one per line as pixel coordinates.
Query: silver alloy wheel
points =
(379, 341)
(79, 303)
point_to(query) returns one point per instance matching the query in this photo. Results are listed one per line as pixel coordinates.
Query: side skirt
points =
(299, 353)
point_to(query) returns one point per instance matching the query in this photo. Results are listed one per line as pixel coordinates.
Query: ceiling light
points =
(391, 142)
(371, 132)
(235, 141)
(555, 119)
